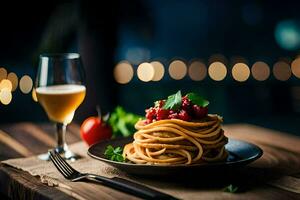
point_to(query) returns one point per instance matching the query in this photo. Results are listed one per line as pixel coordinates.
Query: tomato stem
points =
(99, 112)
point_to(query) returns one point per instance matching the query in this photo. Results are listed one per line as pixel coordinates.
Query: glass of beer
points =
(60, 90)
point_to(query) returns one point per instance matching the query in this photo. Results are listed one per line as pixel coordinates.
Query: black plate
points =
(240, 154)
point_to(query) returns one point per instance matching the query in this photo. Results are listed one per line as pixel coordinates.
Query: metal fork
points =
(117, 183)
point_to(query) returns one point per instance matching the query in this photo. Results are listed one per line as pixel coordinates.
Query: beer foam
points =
(61, 89)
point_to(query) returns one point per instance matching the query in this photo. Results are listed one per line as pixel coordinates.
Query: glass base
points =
(66, 154)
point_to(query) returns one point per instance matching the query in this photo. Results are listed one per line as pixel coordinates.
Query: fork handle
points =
(131, 187)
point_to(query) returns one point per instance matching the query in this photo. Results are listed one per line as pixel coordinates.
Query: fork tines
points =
(62, 166)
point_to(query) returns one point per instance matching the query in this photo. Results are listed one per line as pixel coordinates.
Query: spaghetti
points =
(175, 141)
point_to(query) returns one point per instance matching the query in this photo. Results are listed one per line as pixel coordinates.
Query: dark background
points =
(164, 30)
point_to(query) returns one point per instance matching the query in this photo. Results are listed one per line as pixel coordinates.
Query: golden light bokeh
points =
(260, 71)
(217, 71)
(33, 94)
(145, 72)
(177, 69)
(26, 84)
(240, 72)
(5, 96)
(159, 70)
(282, 71)
(197, 71)
(3, 73)
(13, 79)
(296, 67)
(5, 83)
(123, 72)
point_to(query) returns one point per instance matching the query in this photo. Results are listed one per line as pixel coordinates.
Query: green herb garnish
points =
(114, 154)
(173, 102)
(198, 100)
(231, 188)
(123, 122)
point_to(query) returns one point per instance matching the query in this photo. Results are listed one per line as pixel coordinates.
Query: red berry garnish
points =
(199, 112)
(183, 115)
(151, 114)
(186, 104)
(162, 114)
(173, 116)
(161, 103)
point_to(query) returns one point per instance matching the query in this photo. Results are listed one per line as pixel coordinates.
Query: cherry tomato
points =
(94, 129)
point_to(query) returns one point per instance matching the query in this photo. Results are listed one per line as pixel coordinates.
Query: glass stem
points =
(61, 138)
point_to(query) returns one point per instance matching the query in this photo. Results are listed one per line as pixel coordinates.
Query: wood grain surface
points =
(274, 176)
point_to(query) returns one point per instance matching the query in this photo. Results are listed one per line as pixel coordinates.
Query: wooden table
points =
(274, 176)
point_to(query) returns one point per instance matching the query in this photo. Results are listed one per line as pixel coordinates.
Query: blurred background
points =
(241, 55)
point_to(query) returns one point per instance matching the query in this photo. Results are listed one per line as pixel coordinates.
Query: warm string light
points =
(260, 71)
(295, 66)
(5, 96)
(3, 73)
(282, 71)
(9, 83)
(26, 84)
(6, 84)
(240, 72)
(177, 69)
(197, 71)
(13, 78)
(145, 72)
(217, 70)
(159, 70)
(123, 72)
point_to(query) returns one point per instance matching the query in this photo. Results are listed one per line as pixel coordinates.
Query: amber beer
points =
(61, 101)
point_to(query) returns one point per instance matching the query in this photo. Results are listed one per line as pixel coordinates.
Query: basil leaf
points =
(122, 122)
(198, 100)
(113, 157)
(231, 188)
(173, 102)
(118, 150)
(109, 150)
(120, 158)
(114, 154)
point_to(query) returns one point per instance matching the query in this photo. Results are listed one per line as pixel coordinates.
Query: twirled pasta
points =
(174, 141)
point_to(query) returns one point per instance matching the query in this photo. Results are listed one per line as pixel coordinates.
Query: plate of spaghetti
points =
(177, 136)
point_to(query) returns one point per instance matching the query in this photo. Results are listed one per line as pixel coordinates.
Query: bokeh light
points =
(217, 71)
(177, 69)
(3, 73)
(13, 78)
(123, 72)
(5, 83)
(159, 70)
(197, 71)
(240, 72)
(145, 72)
(33, 94)
(5, 96)
(296, 67)
(26, 84)
(260, 71)
(287, 34)
(282, 71)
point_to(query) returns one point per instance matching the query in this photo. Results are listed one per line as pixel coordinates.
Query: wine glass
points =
(60, 90)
